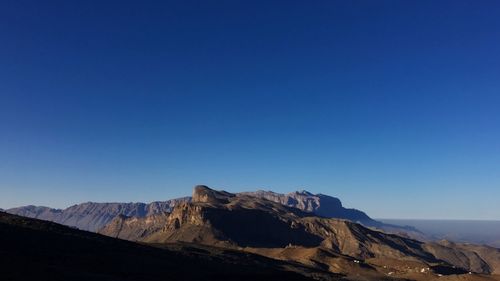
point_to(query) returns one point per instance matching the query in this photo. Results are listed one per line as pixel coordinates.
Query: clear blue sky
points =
(393, 106)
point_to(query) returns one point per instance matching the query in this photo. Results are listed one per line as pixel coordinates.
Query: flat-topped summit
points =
(204, 194)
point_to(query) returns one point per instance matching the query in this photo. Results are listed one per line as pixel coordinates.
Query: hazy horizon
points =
(391, 106)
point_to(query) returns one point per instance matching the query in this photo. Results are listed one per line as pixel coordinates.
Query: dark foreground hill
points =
(32, 249)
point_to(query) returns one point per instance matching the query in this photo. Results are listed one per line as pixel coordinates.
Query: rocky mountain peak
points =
(204, 194)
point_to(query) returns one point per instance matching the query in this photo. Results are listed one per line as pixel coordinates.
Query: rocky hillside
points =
(259, 225)
(93, 216)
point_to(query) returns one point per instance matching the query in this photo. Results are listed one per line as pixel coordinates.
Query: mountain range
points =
(215, 234)
(257, 225)
(93, 216)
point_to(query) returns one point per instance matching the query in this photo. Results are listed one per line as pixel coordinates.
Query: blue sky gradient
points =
(393, 106)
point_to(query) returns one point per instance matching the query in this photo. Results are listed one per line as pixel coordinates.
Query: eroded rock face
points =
(186, 213)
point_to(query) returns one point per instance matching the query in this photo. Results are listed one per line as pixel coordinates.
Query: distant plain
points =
(471, 231)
